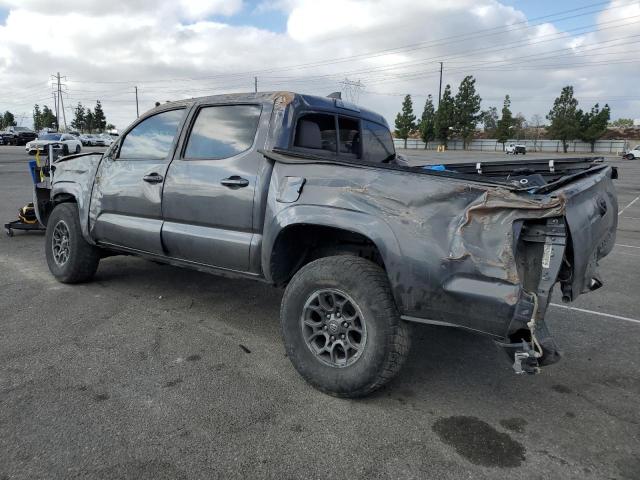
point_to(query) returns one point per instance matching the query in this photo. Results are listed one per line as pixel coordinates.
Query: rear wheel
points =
(69, 257)
(78, 149)
(341, 327)
(630, 156)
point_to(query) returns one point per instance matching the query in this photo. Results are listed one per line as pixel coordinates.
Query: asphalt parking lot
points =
(154, 372)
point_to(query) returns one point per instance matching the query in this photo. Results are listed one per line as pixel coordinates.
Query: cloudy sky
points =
(178, 49)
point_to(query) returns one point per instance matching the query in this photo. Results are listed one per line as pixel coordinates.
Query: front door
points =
(209, 193)
(126, 202)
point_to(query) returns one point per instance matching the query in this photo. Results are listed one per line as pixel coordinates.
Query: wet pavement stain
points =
(193, 358)
(479, 442)
(101, 397)
(561, 389)
(515, 424)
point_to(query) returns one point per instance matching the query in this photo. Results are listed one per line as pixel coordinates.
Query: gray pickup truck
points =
(308, 193)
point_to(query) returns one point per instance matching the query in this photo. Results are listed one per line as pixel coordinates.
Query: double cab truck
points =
(307, 193)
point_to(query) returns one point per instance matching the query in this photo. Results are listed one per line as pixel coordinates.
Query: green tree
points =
(445, 116)
(78, 118)
(110, 126)
(48, 118)
(405, 120)
(564, 118)
(427, 126)
(505, 124)
(489, 119)
(37, 118)
(467, 109)
(99, 120)
(622, 123)
(89, 121)
(8, 120)
(593, 124)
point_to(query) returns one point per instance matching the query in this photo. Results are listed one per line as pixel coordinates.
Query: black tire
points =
(386, 340)
(630, 156)
(65, 149)
(82, 258)
(78, 149)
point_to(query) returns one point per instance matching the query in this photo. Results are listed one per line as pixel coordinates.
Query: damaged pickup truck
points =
(308, 193)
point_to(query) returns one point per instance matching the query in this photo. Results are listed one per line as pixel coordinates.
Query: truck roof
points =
(308, 102)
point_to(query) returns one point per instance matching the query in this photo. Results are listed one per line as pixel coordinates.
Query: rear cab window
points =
(343, 136)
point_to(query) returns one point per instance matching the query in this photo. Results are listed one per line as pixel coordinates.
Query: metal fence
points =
(492, 145)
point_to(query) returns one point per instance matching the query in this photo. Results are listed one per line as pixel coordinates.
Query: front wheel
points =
(78, 148)
(341, 328)
(71, 259)
(630, 156)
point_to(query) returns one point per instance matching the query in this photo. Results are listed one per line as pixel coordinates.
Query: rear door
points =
(126, 198)
(208, 200)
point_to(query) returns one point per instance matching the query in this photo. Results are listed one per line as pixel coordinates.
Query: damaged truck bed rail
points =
(308, 193)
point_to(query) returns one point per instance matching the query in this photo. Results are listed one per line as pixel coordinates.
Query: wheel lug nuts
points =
(345, 324)
(325, 327)
(328, 316)
(333, 337)
(342, 336)
(338, 314)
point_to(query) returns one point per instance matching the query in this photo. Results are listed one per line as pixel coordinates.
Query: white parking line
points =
(629, 204)
(592, 312)
(625, 246)
(628, 254)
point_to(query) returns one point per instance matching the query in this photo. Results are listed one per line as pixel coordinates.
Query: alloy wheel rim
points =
(60, 243)
(333, 328)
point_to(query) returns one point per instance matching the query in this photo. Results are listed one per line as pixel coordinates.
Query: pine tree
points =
(467, 109)
(8, 120)
(427, 126)
(99, 120)
(89, 121)
(78, 118)
(49, 119)
(505, 124)
(565, 118)
(445, 116)
(593, 125)
(405, 120)
(37, 118)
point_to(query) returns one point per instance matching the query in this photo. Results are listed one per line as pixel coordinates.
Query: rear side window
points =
(151, 139)
(222, 131)
(349, 133)
(377, 142)
(316, 131)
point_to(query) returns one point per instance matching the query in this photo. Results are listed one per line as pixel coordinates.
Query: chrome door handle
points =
(235, 181)
(153, 178)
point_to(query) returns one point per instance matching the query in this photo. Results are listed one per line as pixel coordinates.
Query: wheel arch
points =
(291, 234)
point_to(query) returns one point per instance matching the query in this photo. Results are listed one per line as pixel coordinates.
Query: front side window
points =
(317, 132)
(223, 131)
(377, 142)
(151, 139)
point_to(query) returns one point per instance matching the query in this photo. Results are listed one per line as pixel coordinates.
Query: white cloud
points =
(172, 51)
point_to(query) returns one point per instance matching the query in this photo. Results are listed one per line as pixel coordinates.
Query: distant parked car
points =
(18, 135)
(85, 139)
(66, 142)
(633, 153)
(515, 149)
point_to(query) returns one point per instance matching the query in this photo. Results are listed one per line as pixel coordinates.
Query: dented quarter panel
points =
(447, 245)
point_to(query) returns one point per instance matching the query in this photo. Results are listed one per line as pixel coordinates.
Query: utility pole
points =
(255, 84)
(60, 103)
(55, 109)
(137, 109)
(440, 89)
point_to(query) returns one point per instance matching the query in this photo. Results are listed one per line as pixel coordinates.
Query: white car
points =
(515, 149)
(63, 141)
(633, 153)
